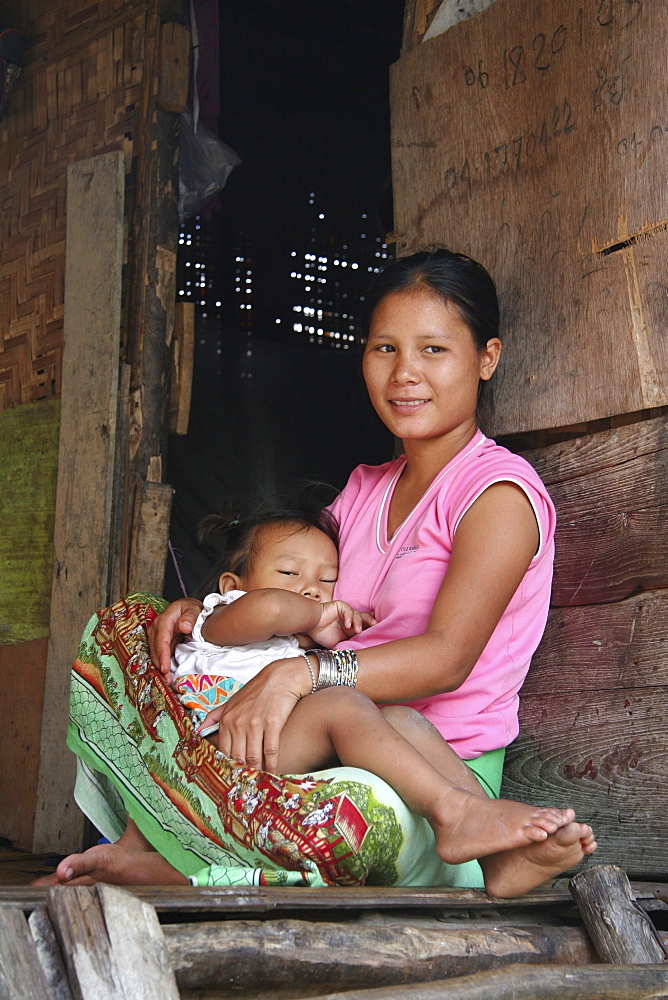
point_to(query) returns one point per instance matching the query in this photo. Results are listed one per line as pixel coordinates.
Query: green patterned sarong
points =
(216, 820)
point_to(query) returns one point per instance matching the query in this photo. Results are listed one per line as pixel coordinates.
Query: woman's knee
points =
(342, 697)
(404, 719)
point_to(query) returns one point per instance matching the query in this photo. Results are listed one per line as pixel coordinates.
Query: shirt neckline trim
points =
(384, 543)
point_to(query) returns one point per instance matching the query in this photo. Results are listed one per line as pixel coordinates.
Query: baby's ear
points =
(228, 581)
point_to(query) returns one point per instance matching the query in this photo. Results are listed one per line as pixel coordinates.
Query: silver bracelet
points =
(310, 668)
(338, 667)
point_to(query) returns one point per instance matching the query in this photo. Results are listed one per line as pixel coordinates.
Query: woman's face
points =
(422, 367)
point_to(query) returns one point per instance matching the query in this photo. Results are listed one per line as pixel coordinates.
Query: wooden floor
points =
(289, 943)
(20, 868)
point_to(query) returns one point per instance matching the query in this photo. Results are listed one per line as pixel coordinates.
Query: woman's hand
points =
(338, 621)
(173, 624)
(252, 720)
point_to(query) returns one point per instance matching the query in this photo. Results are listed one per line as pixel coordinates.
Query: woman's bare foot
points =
(512, 873)
(116, 865)
(470, 826)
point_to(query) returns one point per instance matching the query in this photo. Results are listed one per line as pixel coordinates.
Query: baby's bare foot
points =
(470, 826)
(512, 873)
(116, 865)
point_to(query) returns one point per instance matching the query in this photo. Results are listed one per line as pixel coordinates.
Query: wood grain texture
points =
(139, 946)
(22, 674)
(254, 955)
(85, 466)
(78, 95)
(593, 733)
(150, 537)
(49, 953)
(522, 982)
(78, 920)
(182, 371)
(210, 902)
(174, 67)
(532, 136)
(621, 932)
(592, 724)
(611, 494)
(21, 974)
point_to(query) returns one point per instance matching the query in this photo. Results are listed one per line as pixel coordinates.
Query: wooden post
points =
(620, 930)
(95, 198)
(112, 944)
(21, 974)
(152, 292)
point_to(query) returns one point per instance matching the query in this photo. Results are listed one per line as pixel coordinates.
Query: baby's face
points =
(302, 560)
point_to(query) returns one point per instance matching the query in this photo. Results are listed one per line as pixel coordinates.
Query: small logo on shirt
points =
(407, 550)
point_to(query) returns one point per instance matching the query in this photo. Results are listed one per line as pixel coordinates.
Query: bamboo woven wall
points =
(78, 95)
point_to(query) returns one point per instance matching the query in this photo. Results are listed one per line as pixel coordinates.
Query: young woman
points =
(449, 548)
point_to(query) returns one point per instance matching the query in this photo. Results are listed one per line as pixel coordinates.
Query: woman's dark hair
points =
(455, 278)
(237, 542)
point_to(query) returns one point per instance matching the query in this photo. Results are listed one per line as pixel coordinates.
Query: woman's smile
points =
(422, 367)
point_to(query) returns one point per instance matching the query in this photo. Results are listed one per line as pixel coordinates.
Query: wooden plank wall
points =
(593, 726)
(533, 137)
(79, 95)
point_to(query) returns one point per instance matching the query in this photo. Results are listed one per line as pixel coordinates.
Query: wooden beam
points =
(620, 930)
(526, 982)
(257, 955)
(95, 194)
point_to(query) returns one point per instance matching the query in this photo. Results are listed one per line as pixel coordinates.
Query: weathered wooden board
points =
(592, 722)
(605, 754)
(175, 46)
(112, 944)
(182, 372)
(22, 673)
(611, 494)
(139, 946)
(49, 953)
(211, 902)
(251, 955)
(522, 982)
(27, 510)
(621, 932)
(533, 137)
(85, 466)
(21, 974)
(150, 537)
(604, 648)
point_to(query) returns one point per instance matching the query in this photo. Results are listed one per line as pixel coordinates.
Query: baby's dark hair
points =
(237, 542)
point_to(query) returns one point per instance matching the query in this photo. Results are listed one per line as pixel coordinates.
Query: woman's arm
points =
(493, 546)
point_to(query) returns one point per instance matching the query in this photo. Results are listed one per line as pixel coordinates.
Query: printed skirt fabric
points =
(213, 818)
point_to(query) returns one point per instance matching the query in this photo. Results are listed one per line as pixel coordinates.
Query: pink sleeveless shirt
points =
(397, 580)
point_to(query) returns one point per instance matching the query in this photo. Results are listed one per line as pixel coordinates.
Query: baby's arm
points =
(258, 615)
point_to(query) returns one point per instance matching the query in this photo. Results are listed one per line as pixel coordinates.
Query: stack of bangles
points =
(337, 667)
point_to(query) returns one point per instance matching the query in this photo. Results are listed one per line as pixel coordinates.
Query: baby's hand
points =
(338, 621)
